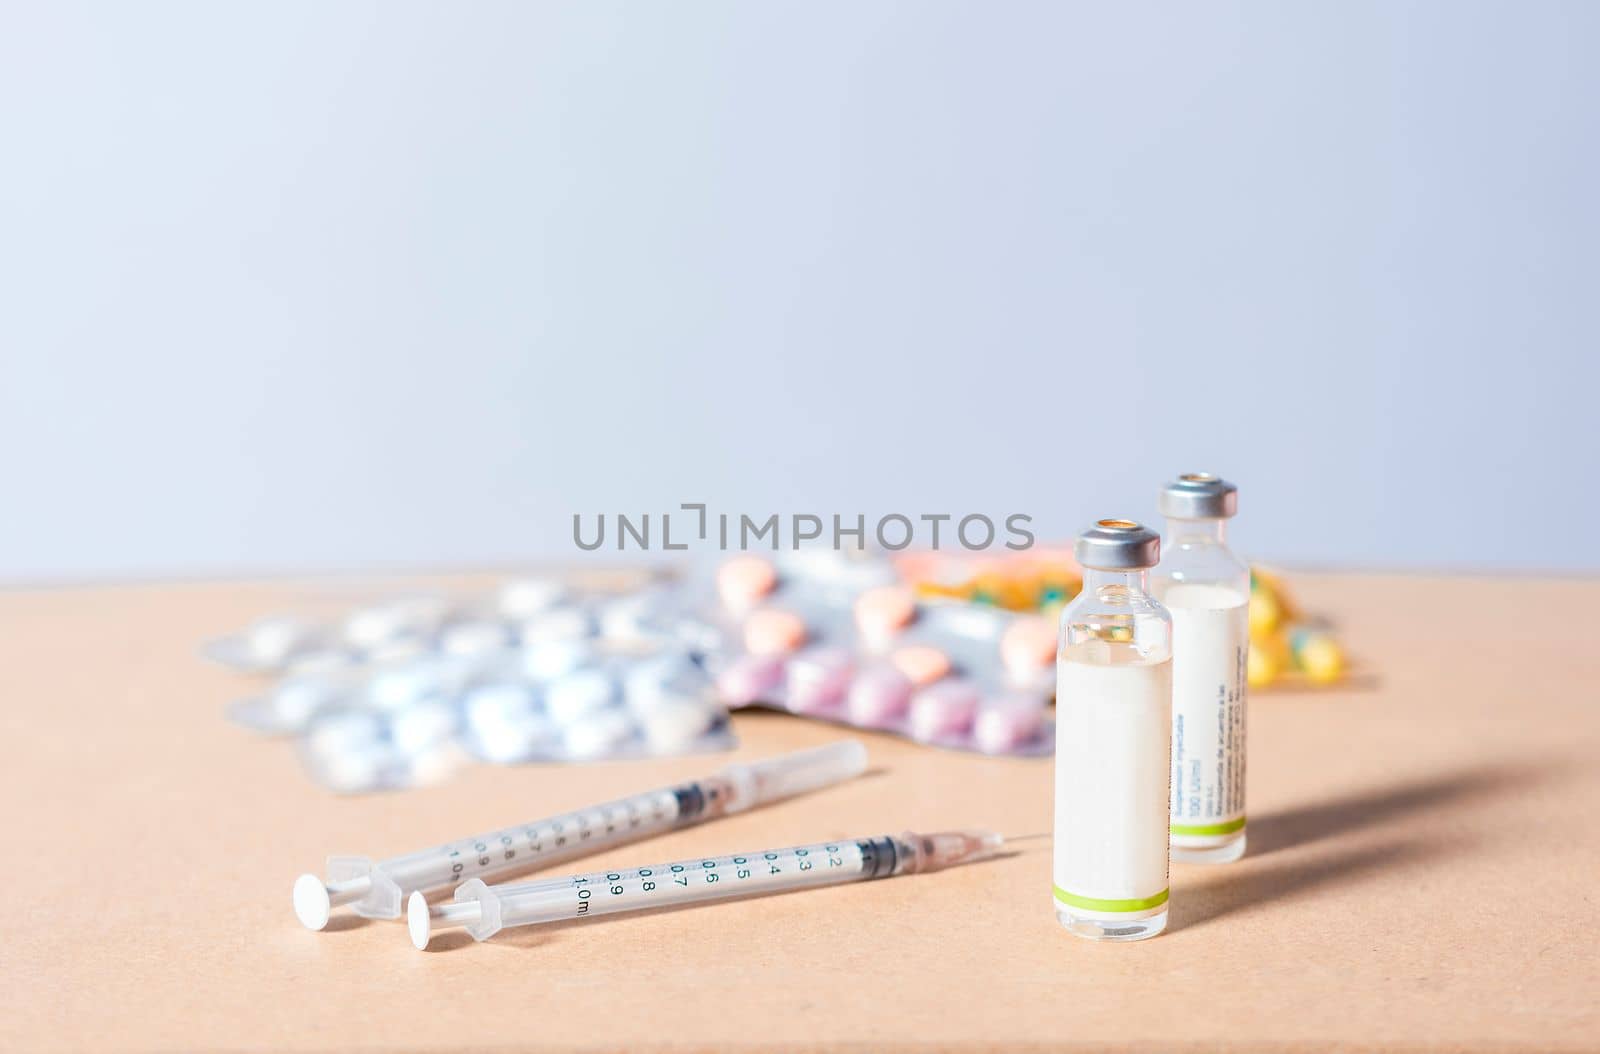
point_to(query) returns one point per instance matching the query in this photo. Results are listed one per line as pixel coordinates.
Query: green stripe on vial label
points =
(1097, 904)
(1209, 828)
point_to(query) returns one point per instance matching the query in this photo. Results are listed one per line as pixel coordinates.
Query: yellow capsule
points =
(1019, 594)
(988, 584)
(1318, 656)
(1265, 580)
(1115, 632)
(1052, 594)
(1262, 664)
(1270, 652)
(1266, 613)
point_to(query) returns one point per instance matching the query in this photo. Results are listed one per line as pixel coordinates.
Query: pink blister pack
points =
(842, 640)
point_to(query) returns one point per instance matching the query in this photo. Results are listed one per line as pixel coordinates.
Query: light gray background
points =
(329, 285)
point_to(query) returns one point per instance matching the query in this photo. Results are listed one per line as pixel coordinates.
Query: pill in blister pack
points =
(353, 751)
(315, 683)
(838, 639)
(379, 625)
(619, 705)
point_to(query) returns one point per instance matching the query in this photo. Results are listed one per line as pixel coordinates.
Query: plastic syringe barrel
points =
(484, 909)
(787, 775)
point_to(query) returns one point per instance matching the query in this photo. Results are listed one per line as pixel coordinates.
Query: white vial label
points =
(1210, 638)
(1113, 740)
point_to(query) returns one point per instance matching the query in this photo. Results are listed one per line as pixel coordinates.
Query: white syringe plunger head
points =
(418, 924)
(787, 775)
(476, 907)
(311, 902)
(351, 880)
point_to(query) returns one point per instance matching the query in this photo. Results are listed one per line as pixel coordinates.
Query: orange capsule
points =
(773, 632)
(922, 663)
(744, 580)
(1028, 645)
(883, 612)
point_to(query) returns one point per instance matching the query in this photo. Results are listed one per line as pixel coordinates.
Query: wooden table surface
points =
(1424, 853)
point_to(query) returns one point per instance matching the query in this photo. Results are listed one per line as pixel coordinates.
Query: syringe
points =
(378, 889)
(485, 910)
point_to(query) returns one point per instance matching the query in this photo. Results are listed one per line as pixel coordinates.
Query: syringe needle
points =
(483, 910)
(377, 889)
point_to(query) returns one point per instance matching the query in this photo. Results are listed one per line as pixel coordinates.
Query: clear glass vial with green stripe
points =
(1113, 741)
(1207, 591)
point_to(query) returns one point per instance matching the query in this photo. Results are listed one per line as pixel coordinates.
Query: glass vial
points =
(1113, 741)
(1207, 591)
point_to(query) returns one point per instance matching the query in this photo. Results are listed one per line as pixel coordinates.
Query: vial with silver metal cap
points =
(1113, 741)
(1207, 591)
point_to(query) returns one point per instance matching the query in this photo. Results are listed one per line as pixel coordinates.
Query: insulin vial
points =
(1113, 741)
(1207, 590)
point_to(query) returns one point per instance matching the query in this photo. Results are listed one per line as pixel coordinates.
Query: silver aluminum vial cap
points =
(1118, 545)
(1199, 496)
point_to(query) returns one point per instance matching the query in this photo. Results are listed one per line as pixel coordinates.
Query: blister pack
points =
(543, 675)
(840, 640)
